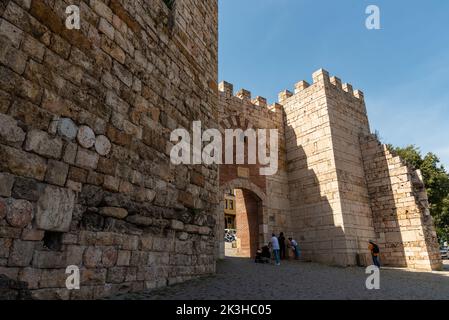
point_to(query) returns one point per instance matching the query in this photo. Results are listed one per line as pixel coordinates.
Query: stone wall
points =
(345, 188)
(315, 199)
(240, 110)
(85, 122)
(402, 221)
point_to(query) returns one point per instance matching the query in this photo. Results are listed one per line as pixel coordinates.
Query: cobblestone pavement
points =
(241, 279)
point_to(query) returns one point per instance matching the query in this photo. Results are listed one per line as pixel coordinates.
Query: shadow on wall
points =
(315, 218)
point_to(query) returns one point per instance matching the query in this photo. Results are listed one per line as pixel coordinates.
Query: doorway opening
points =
(243, 217)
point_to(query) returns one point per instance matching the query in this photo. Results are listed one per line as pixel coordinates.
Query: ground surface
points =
(242, 279)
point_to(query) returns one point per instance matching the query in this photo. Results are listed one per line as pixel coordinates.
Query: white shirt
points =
(275, 243)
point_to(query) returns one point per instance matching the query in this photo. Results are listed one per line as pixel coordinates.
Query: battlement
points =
(319, 77)
(227, 90)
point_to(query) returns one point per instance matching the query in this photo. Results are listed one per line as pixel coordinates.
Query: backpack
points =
(375, 248)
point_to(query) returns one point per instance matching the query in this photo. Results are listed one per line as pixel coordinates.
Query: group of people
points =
(281, 248)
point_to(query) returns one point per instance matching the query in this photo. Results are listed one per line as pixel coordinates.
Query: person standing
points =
(295, 248)
(282, 245)
(275, 247)
(374, 248)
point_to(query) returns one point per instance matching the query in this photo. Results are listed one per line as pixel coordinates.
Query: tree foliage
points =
(436, 179)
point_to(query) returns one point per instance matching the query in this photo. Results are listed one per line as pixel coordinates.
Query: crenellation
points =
(336, 82)
(300, 86)
(284, 95)
(244, 94)
(227, 88)
(359, 94)
(348, 88)
(260, 101)
(321, 76)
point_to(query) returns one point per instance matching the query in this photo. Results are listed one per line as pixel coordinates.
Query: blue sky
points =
(403, 69)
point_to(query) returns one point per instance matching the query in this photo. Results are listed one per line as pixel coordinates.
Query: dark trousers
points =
(282, 252)
(376, 261)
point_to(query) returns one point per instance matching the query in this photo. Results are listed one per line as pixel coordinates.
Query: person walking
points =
(295, 248)
(276, 249)
(282, 245)
(374, 248)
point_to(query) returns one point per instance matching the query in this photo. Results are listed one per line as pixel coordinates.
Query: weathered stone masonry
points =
(85, 122)
(85, 175)
(337, 186)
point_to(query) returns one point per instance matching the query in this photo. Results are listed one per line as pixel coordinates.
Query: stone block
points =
(3, 209)
(10, 132)
(102, 145)
(28, 189)
(5, 245)
(11, 32)
(32, 235)
(123, 258)
(92, 257)
(75, 255)
(31, 276)
(70, 152)
(109, 258)
(21, 253)
(118, 213)
(6, 183)
(91, 277)
(116, 275)
(41, 143)
(86, 137)
(67, 129)
(87, 159)
(49, 260)
(111, 183)
(177, 225)
(19, 213)
(55, 209)
(22, 163)
(56, 172)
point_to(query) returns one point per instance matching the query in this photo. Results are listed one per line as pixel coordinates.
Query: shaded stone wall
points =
(240, 110)
(85, 123)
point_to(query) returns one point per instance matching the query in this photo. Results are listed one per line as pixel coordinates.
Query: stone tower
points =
(346, 188)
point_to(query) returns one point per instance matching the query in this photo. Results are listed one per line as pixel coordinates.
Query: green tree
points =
(436, 179)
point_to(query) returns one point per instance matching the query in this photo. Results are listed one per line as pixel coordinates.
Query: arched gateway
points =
(242, 224)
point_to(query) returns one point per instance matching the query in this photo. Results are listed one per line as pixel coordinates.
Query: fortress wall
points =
(241, 111)
(349, 121)
(85, 123)
(402, 221)
(314, 191)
